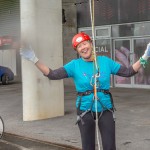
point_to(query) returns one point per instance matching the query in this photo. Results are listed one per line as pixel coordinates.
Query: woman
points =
(82, 70)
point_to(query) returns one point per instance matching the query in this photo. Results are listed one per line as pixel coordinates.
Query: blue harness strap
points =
(88, 92)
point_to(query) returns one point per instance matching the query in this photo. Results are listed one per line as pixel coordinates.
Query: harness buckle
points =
(79, 117)
(87, 93)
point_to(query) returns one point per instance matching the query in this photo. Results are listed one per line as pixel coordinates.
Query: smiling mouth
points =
(84, 51)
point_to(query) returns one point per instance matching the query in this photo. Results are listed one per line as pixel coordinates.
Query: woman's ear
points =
(91, 42)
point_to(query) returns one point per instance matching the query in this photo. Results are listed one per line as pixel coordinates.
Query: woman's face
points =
(84, 49)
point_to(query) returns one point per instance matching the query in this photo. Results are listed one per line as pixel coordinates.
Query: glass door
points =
(123, 55)
(142, 78)
(127, 52)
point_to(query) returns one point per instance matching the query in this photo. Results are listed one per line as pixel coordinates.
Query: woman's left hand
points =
(147, 52)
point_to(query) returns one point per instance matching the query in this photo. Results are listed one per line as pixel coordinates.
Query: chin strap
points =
(96, 69)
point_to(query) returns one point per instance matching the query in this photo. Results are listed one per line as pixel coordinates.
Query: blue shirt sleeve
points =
(69, 67)
(114, 66)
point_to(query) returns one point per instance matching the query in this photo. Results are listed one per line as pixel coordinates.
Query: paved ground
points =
(14, 142)
(132, 124)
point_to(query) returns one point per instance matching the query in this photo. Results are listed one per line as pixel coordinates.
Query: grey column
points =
(41, 25)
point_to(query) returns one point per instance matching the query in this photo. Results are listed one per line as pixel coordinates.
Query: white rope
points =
(91, 3)
(93, 30)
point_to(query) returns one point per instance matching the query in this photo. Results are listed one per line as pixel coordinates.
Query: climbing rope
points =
(96, 69)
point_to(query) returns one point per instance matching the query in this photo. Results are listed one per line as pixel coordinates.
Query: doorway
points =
(127, 52)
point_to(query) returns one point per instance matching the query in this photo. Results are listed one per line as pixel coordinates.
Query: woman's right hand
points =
(28, 53)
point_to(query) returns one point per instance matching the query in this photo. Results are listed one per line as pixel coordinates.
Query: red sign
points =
(1, 41)
(6, 40)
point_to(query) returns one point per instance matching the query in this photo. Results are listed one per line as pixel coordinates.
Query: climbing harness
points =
(88, 92)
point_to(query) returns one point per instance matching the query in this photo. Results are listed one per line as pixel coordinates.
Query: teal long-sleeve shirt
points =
(82, 74)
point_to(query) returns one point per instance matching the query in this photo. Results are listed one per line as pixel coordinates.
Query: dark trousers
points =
(106, 125)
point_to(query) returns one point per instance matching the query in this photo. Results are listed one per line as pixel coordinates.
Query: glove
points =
(28, 54)
(147, 52)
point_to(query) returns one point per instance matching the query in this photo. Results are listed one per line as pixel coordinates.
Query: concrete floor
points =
(132, 124)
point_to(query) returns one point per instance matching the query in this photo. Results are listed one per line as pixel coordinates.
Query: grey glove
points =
(28, 54)
(147, 52)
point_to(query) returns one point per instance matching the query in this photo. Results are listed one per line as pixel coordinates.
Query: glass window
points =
(85, 30)
(103, 32)
(143, 75)
(122, 56)
(123, 30)
(142, 29)
(103, 47)
(137, 29)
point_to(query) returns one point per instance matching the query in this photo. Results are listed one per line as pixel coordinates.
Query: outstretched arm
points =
(136, 66)
(29, 54)
(42, 67)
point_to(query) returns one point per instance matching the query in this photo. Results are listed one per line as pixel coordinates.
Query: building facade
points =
(122, 31)
(10, 34)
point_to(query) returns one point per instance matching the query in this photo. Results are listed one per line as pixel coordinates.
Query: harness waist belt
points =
(88, 92)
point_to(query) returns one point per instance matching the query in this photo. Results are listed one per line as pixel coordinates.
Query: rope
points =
(96, 70)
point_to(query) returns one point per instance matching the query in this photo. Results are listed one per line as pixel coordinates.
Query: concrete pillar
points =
(41, 25)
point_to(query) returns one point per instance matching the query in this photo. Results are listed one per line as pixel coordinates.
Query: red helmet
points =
(78, 38)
